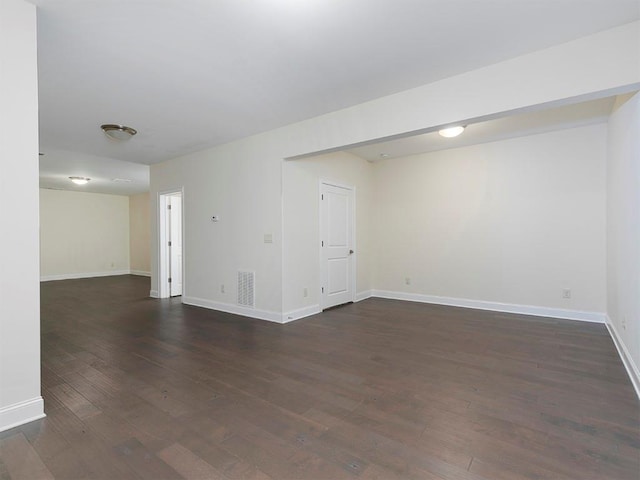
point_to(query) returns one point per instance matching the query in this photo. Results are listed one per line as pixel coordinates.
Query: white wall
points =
(241, 181)
(140, 234)
(83, 234)
(241, 184)
(20, 399)
(513, 222)
(301, 213)
(623, 232)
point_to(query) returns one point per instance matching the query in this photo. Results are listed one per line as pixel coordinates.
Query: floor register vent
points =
(246, 292)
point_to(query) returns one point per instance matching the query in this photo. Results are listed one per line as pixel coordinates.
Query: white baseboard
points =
(300, 313)
(235, 309)
(625, 356)
(154, 294)
(314, 309)
(140, 273)
(73, 276)
(363, 295)
(594, 317)
(20, 413)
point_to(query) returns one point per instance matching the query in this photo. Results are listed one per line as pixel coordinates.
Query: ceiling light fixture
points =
(451, 132)
(79, 180)
(118, 132)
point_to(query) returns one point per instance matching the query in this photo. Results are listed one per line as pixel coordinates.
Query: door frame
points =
(163, 251)
(354, 257)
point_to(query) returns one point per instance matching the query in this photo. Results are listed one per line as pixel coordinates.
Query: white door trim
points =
(163, 252)
(353, 261)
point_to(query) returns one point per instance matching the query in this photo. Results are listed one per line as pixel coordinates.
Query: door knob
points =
(350, 252)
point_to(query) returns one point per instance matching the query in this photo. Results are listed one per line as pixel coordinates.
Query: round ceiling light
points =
(79, 180)
(118, 132)
(451, 132)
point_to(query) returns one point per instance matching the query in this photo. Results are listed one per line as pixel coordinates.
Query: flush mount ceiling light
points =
(79, 180)
(118, 132)
(451, 132)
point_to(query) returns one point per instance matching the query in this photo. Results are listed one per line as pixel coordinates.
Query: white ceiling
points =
(586, 113)
(191, 74)
(107, 175)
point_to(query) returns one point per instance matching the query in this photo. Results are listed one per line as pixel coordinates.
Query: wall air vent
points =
(246, 292)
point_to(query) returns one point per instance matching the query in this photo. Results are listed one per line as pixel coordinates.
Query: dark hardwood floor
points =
(381, 389)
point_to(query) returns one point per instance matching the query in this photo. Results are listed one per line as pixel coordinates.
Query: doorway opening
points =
(171, 266)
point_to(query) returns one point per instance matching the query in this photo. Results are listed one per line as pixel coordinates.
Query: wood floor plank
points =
(21, 460)
(45, 440)
(4, 473)
(144, 388)
(96, 455)
(189, 465)
(208, 447)
(74, 401)
(145, 463)
(277, 456)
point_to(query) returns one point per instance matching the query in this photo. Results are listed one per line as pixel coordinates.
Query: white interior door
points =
(175, 245)
(337, 245)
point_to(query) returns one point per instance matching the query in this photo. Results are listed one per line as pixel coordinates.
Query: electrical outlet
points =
(566, 293)
(222, 288)
(305, 292)
(407, 281)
